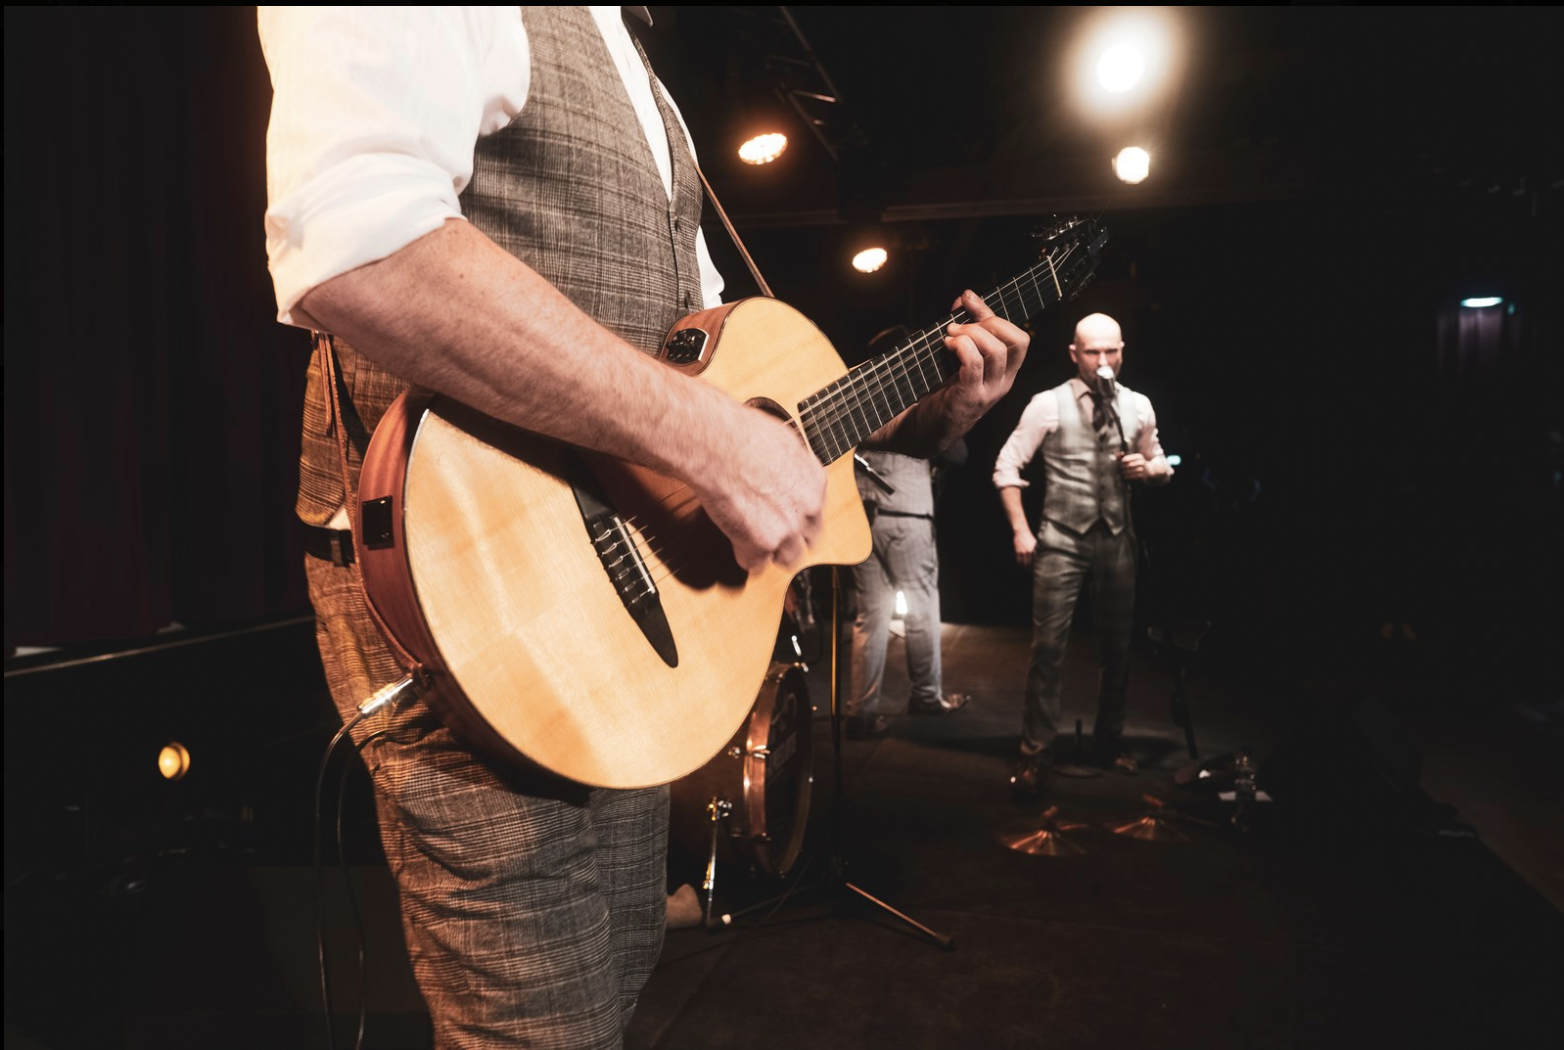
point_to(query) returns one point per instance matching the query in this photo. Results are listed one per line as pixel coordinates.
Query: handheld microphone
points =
(1108, 389)
(1105, 382)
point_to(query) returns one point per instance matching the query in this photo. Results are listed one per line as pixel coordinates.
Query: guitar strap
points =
(727, 224)
(326, 353)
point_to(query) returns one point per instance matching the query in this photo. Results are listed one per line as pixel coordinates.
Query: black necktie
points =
(1099, 412)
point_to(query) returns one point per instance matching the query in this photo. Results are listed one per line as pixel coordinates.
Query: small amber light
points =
(173, 761)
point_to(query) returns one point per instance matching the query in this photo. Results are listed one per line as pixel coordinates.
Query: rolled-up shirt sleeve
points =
(1149, 443)
(363, 156)
(1038, 420)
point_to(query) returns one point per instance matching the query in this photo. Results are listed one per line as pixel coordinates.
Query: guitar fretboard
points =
(837, 418)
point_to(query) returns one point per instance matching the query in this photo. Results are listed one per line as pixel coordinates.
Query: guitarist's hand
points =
(765, 490)
(989, 351)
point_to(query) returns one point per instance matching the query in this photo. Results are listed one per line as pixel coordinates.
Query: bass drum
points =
(763, 777)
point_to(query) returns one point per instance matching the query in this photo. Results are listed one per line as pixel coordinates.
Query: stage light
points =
(1478, 302)
(1175, 459)
(1120, 68)
(870, 259)
(901, 604)
(1123, 59)
(1132, 165)
(763, 149)
(173, 761)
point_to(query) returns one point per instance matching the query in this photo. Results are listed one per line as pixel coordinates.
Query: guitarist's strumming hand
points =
(989, 350)
(764, 489)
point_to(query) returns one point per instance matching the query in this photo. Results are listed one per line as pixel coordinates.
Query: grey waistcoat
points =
(570, 188)
(1081, 471)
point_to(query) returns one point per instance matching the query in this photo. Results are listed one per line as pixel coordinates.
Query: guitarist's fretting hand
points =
(990, 350)
(765, 491)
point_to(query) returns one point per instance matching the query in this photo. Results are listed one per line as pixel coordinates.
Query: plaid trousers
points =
(1065, 562)
(532, 907)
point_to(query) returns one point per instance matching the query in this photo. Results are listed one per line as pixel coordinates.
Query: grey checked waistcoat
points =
(570, 187)
(1080, 468)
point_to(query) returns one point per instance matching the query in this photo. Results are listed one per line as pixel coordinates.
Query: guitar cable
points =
(389, 696)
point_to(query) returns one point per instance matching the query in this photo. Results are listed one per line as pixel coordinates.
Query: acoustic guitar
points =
(583, 614)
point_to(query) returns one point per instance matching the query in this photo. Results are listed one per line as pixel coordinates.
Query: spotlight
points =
(1132, 165)
(1120, 68)
(870, 260)
(763, 149)
(173, 761)
(1478, 302)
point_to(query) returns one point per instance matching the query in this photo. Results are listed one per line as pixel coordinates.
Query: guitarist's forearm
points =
(455, 313)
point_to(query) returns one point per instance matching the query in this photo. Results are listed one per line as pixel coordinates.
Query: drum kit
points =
(749, 805)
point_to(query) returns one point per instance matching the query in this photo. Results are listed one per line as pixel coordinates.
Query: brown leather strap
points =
(754, 270)
(327, 351)
(727, 224)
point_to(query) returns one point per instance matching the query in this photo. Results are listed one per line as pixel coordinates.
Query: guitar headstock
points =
(1071, 245)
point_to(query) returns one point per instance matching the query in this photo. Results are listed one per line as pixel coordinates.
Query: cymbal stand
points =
(717, 810)
(837, 874)
(838, 862)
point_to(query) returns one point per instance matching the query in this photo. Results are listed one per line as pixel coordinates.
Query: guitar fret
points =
(841, 415)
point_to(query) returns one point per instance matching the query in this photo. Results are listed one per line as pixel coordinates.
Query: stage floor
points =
(1356, 909)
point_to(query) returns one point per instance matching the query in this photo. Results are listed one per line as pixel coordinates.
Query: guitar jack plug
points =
(393, 695)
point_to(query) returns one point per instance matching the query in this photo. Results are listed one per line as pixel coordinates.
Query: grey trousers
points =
(904, 559)
(1066, 562)
(533, 909)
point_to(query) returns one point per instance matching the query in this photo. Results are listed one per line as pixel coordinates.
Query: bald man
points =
(1096, 438)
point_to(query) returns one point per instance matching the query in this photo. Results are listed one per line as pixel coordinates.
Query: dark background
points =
(1327, 183)
(1361, 460)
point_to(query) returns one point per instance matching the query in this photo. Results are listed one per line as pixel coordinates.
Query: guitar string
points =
(1010, 297)
(839, 401)
(847, 396)
(847, 400)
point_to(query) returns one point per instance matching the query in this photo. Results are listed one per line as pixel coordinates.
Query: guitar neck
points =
(837, 418)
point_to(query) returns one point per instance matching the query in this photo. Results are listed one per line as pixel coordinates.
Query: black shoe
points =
(948, 704)
(1031, 777)
(870, 728)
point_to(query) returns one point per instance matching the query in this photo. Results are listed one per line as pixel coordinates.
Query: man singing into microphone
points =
(1096, 437)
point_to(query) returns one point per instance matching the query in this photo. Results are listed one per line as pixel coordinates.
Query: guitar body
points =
(478, 559)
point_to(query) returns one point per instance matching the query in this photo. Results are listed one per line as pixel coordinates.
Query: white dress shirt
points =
(1041, 418)
(375, 113)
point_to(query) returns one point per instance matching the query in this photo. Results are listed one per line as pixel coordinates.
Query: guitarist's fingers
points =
(983, 356)
(1001, 345)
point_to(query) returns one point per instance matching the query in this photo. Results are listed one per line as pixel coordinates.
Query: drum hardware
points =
(1044, 836)
(717, 810)
(750, 803)
(1157, 825)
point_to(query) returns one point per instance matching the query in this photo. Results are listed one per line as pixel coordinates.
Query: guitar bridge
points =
(621, 559)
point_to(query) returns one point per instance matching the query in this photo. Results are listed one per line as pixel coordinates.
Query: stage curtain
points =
(151, 400)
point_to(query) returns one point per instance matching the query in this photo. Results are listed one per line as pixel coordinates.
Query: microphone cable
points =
(389, 696)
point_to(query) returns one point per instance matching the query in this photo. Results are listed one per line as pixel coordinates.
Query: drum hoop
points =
(755, 785)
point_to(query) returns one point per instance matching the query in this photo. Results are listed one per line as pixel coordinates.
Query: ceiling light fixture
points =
(1132, 165)
(870, 259)
(763, 149)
